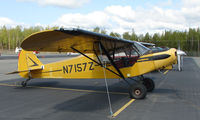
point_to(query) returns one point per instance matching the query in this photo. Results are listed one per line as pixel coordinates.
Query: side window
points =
(126, 57)
(134, 52)
(103, 58)
(120, 53)
(123, 57)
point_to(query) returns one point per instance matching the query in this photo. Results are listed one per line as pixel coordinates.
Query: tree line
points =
(10, 38)
(189, 40)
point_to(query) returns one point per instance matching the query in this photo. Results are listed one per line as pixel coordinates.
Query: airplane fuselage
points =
(83, 68)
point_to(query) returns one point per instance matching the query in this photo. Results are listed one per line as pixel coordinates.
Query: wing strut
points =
(110, 59)
(95, 61)
(113, 63)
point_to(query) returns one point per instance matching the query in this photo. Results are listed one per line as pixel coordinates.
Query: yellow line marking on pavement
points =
(3, 84)
(122, 108)
(66, 89)
(166, 72)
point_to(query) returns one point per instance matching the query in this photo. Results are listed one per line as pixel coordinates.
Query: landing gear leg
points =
(24, 83)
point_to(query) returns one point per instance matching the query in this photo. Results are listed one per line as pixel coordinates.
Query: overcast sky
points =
(113, 15)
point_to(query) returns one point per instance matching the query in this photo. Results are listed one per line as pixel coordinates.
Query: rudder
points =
(28, 61)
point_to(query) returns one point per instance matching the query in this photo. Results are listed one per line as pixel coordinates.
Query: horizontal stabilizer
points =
(30, 69)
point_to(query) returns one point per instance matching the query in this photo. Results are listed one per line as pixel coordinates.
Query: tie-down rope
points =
(107, 90)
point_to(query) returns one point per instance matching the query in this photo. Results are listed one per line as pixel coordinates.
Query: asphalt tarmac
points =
(176, 96)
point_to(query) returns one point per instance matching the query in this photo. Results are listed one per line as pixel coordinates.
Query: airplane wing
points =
(63, 40)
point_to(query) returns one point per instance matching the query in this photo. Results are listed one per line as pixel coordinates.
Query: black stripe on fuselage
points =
(52, 71)
(156, 57)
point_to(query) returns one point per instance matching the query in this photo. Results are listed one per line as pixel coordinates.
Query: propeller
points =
(180, 55)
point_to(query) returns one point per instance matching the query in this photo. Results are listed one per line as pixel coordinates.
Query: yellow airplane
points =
(101, 56)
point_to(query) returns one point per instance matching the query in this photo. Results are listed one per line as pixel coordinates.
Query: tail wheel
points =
(23, 83)
(149, 84)
(138, 91)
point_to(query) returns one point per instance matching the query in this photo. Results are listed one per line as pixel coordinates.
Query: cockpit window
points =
(141, 48)
(125, 56)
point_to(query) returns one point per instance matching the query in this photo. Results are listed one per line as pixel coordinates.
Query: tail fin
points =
(27, 62)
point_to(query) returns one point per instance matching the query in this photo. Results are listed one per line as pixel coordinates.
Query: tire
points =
(23, 83)
(149, 84)
(138, 91)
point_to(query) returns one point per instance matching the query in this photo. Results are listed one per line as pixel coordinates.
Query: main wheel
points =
(149, 84)
(138, 91)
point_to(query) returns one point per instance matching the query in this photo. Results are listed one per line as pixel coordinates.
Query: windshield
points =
(141, 48)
